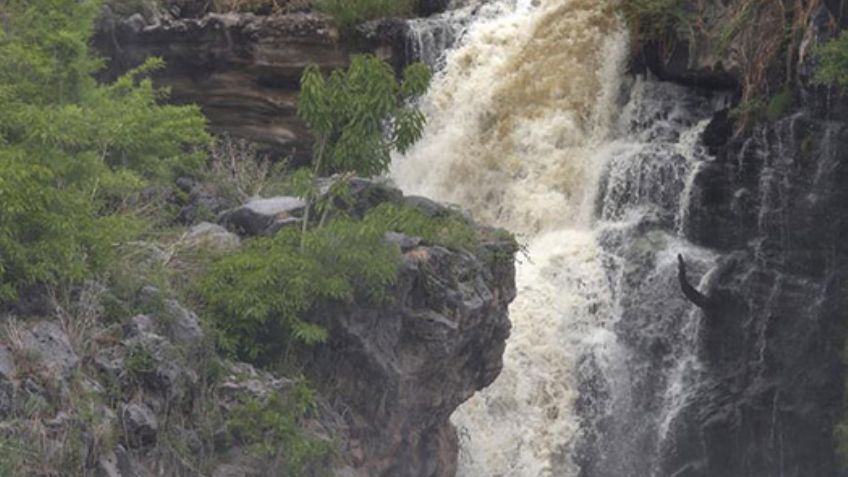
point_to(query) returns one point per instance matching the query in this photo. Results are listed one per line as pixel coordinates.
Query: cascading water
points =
(526, 130)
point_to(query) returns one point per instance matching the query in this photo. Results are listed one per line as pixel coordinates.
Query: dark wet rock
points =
(775, 201)
(431, 7)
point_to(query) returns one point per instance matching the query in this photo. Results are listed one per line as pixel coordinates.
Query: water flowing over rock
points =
(611, 370)
(515, 118)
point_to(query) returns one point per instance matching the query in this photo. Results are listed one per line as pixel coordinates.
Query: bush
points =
(73, 152)
(258, 298)
(349, 13)
(271, 428)
(651, 20)
(833, 61)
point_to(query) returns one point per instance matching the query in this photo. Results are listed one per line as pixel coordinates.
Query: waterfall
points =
(534, 127)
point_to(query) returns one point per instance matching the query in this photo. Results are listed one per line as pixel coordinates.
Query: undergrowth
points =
(271, 428)
(258, 298)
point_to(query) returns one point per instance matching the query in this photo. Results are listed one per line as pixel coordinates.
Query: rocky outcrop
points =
(397, 372)
(773, 205)
(242, 69)
(147, 395)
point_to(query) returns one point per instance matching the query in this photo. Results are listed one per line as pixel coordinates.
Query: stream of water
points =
(534, 126)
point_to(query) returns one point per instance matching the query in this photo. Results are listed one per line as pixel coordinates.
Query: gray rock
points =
(263, 216)
(363, 194)
(213, 236)
(170, 379)
(140, 425)
(7, 364)
(126, 464)
(244, 381)
(7, 398)
(107, 466)
(181, 325)
(139, 325)
(168, 318)
(53, 348)
(404, 242)
(428, 207)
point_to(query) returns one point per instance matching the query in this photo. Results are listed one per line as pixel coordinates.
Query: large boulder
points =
(264, 216)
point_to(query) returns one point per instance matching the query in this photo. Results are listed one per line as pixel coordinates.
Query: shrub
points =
(833, 61)
(358, 117)
(258, 298)
(72, 152)
(271, 428)
(650, 20)
(349, 13)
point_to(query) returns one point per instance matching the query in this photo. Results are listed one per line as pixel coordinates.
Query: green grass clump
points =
(349, 13)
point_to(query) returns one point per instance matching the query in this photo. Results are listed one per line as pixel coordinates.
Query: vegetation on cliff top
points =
(74, 154)
(758, 41)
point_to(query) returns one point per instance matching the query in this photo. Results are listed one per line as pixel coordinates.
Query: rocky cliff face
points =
(773, 202)
(242, 69)
(400, 371)
(114, 395)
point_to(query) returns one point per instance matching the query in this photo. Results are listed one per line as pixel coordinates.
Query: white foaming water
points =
(515, 119)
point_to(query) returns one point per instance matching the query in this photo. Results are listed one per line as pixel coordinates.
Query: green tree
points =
(358, 117)
(71, 150)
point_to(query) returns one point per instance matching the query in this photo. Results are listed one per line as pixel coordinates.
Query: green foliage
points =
(833, 61)
(349, 13)
(272, 429)
(450, 230)
(72, 151)
(13, 455)
(653, 20)
(779, 105)
(360, 115)
(258, 298)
